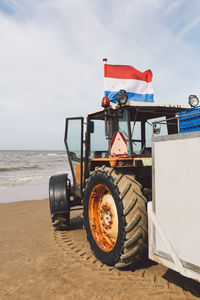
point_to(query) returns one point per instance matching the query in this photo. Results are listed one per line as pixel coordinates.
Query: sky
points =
(51, 59)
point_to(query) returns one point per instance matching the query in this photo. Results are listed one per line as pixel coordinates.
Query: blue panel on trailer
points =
(189, 120)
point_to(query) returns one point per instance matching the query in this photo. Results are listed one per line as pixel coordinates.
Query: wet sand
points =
(36, 263)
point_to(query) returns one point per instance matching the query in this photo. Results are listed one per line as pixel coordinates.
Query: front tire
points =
(59, 201)
(115, 217)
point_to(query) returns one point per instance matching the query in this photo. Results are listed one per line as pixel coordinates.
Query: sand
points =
(38, 263)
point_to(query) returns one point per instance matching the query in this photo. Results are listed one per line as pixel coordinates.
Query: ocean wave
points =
(56, 154)
(23, 180)
(11, 169)
(28, 178)
(26, 168)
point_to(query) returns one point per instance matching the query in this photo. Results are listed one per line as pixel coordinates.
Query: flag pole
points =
(105, 62)
(106, 112)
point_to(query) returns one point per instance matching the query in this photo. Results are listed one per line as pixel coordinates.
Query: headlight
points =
(193, 100)
(122, 97)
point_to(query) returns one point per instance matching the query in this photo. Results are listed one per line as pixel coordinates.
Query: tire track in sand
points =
(157, 281)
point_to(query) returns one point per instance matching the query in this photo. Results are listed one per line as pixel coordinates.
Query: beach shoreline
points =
(11, 194)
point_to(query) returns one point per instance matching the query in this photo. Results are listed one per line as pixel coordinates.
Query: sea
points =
(24, 175)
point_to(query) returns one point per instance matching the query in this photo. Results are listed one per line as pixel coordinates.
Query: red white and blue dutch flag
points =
(123, 77)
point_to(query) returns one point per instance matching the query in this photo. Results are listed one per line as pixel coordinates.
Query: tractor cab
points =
(118, 137)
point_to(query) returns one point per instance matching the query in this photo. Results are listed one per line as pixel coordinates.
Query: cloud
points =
(174, 5)
(188, 27)
(51, 59)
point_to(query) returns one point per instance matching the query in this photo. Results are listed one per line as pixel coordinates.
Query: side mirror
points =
(91, 127)
(156, 128)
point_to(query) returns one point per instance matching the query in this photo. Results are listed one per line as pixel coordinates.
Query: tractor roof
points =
(145, 107)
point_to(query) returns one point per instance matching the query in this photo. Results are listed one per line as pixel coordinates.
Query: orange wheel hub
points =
(103, 218)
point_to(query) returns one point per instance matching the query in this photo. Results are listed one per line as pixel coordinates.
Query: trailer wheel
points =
(115, 217)
(59, 194)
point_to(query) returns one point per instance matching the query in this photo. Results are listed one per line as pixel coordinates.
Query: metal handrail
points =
(174, 118)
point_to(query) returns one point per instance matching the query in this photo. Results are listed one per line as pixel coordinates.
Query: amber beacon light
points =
(105, 102)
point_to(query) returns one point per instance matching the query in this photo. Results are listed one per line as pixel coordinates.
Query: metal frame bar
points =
(87, 150)
(129, 132)
(67, 149)
(174, 118)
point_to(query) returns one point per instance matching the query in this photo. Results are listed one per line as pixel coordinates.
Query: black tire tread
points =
(129, 206)
(133, 240)
(131, 225)
(129, 256)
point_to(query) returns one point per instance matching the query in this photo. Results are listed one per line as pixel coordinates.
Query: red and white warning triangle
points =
(118, 145)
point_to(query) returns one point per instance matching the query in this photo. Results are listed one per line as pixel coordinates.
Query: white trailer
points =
(174, 213)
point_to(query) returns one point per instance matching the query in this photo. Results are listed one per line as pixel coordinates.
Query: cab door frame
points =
(75, 191)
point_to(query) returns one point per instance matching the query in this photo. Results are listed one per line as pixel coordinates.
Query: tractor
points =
(110, 158)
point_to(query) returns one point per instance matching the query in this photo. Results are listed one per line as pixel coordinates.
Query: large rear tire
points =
(115, 217)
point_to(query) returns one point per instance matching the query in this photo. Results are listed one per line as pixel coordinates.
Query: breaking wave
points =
(10, 169)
